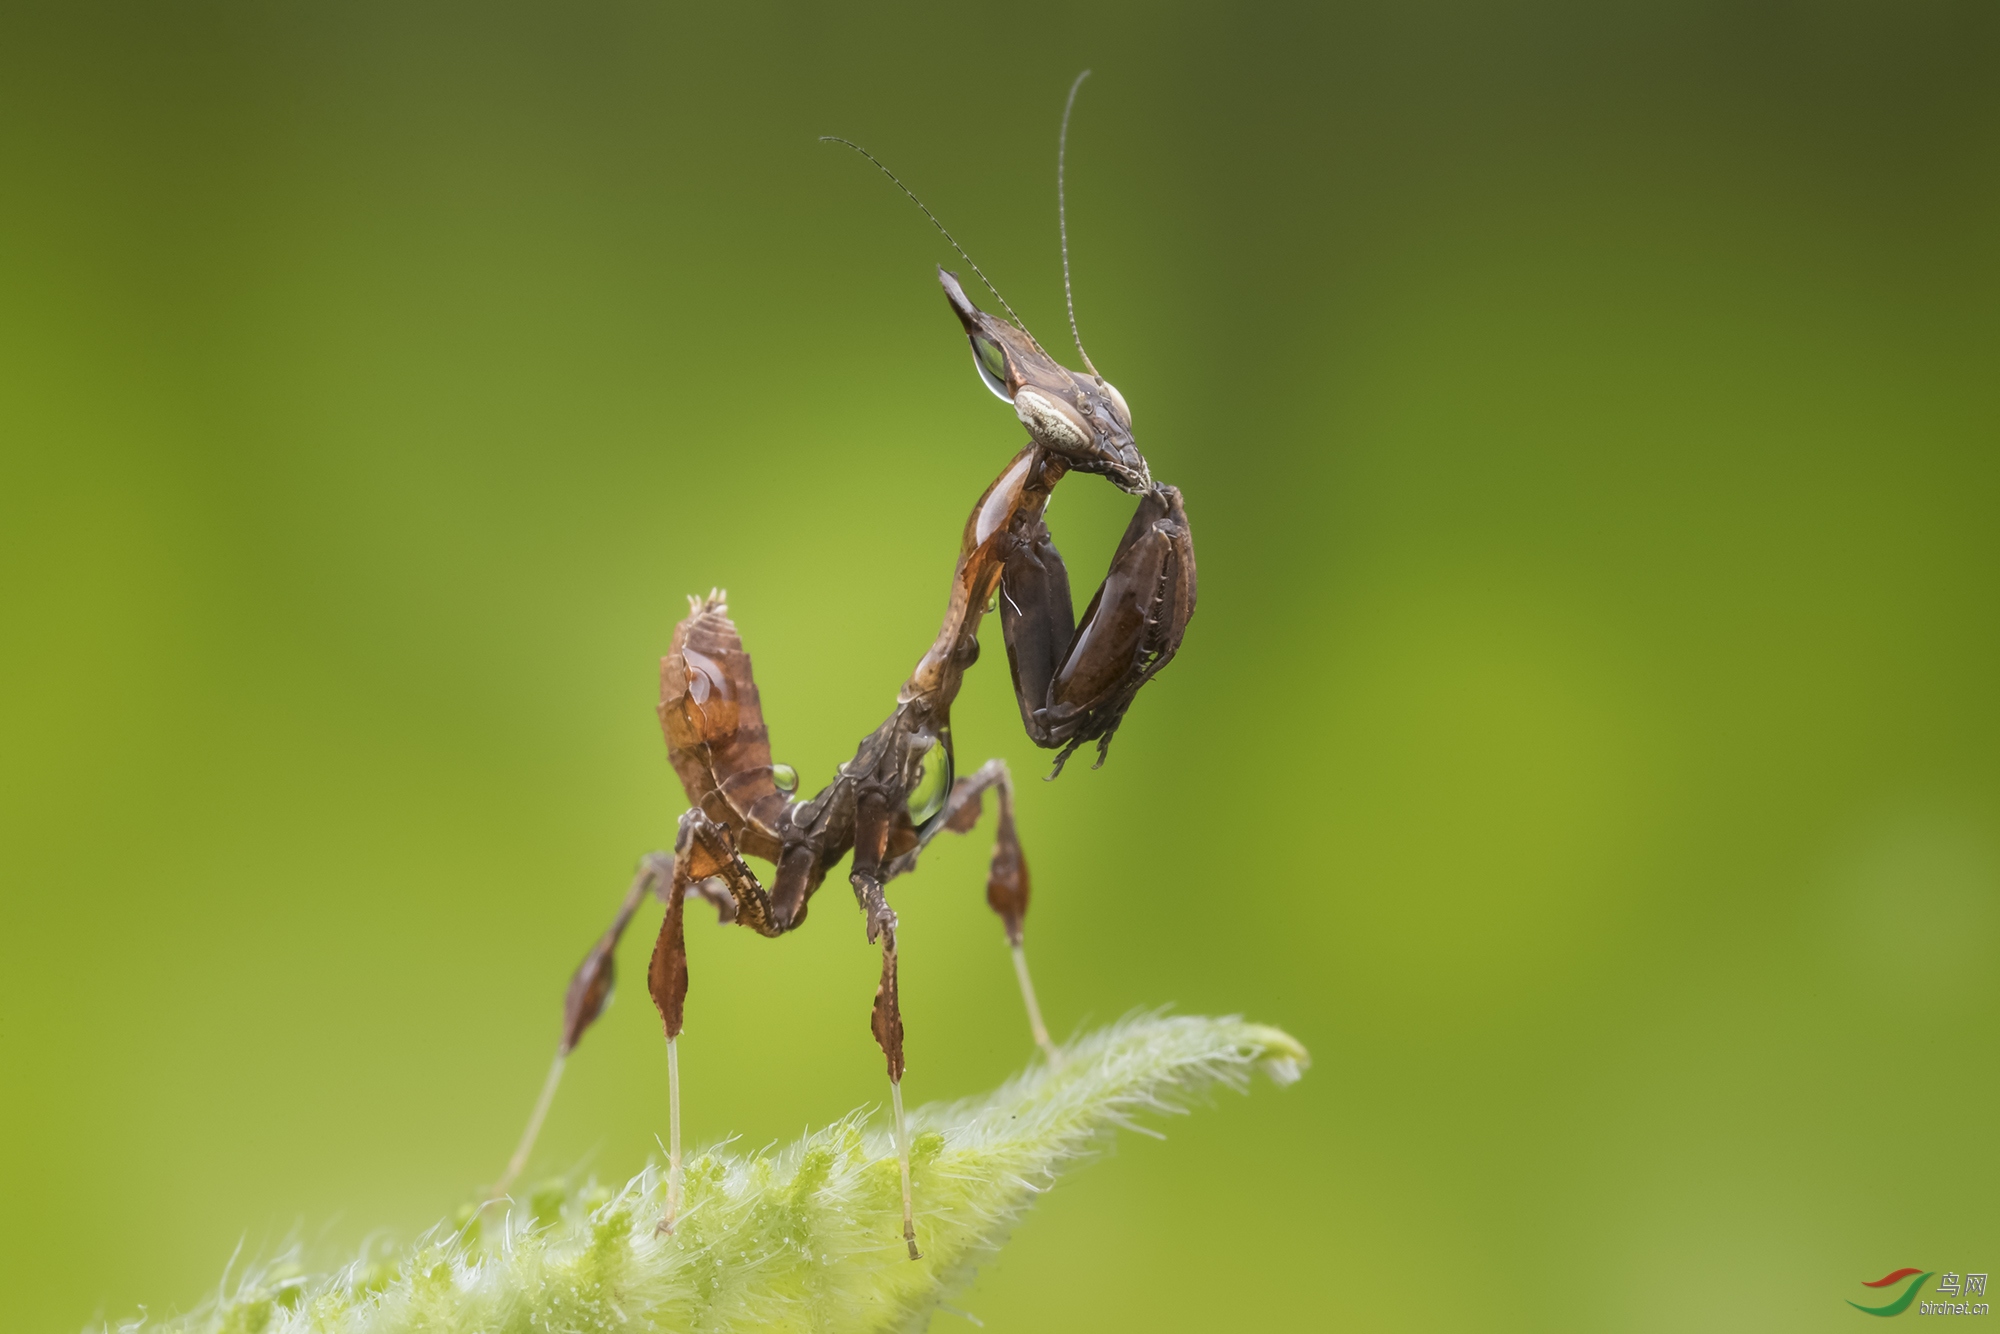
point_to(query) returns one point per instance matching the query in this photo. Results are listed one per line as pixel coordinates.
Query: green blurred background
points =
(1586, 743)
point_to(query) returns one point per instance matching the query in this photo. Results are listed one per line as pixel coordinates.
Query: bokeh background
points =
(1586, 742)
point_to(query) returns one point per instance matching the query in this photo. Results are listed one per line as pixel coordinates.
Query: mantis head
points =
(1080, 418)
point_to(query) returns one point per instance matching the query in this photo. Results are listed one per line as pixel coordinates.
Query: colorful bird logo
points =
(1902, 1303)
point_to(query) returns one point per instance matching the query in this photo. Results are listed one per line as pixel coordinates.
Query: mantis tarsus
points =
(1074, 681)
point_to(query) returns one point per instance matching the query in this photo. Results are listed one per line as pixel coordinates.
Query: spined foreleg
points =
(1075, 687)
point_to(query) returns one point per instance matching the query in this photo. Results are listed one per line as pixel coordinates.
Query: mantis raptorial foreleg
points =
(1075, 685)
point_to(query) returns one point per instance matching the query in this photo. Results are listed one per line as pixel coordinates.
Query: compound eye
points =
(933, 780)
(991, 363)
(1118, 401)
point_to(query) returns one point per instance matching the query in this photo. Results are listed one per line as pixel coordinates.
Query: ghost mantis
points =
(1074, 680)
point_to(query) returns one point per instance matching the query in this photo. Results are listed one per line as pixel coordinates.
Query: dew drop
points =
(991, 363)
(933, 779)
(785, 778)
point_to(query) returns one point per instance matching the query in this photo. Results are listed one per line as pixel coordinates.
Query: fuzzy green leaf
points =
(808, 1238)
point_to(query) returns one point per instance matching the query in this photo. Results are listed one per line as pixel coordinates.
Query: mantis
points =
(1074, 681)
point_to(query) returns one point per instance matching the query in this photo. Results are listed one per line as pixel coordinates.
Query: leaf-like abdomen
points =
(714, 725)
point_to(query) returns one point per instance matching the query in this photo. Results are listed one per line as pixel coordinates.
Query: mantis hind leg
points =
(704, 860)
(588, 993)
(705, 865)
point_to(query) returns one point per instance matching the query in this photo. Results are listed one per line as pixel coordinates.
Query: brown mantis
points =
(1074, 681)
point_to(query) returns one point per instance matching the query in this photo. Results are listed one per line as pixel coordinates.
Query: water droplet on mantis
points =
(933, 779)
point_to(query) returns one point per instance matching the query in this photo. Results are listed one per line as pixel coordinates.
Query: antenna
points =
(1062, 221)
(836, 139)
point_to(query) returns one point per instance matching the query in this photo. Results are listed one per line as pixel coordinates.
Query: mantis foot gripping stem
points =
(903, 1162)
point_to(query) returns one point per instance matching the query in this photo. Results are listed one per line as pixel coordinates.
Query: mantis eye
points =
(991, 363)
(933, 781)
(1118, 401)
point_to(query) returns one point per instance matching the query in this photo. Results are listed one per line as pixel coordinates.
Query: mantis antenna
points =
(1022, 324)
(1062, 221)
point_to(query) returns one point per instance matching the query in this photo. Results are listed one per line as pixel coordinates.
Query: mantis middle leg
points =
(1007, 881)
